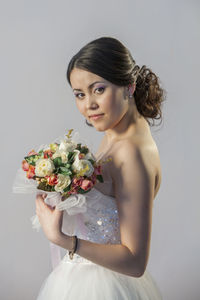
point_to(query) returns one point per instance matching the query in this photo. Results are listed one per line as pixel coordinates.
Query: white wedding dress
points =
(81, 279)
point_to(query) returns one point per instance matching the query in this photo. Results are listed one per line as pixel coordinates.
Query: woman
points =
(118, 97)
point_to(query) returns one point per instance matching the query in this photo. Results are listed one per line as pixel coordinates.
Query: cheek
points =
(80, 107)
(115, 106)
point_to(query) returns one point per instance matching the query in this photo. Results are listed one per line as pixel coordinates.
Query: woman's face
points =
(94, 95)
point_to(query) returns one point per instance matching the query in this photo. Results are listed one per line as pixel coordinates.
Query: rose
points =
(25, 165)
(86, 184)
(31, 172)
(82, 166)
(48, 153)
(67, 146)
(63, 155)
(63, 182)
(52, 180)
(32, 152)
(44, 167)
(76, 182)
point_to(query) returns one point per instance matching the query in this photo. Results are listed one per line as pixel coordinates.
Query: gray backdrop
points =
(38, 38)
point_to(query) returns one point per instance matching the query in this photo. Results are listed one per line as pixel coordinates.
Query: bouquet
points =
(64, 169)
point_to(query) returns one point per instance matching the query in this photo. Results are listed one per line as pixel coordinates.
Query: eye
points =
(77, 95)
(101, 89)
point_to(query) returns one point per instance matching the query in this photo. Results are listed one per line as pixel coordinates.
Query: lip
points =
(96, 117)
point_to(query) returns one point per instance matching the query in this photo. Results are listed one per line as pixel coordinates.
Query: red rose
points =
(25, 165)
(31, 172)
(48, 152)
(52, 180)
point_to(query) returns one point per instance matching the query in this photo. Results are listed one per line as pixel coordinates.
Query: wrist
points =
(63, 240)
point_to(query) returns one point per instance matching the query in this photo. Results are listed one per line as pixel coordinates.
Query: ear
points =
(131, 89)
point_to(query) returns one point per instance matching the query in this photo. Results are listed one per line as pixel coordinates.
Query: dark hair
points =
(108, 58)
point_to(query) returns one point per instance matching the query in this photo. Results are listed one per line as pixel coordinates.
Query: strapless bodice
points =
(97, 222)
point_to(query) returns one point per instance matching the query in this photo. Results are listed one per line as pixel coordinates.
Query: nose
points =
(91, 103)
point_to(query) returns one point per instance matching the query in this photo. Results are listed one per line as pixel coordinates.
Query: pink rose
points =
(86, 184)
(76, 182)
(32, 152)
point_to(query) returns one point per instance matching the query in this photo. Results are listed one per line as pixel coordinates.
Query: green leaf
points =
(67, 188)
(57, 162)
(66, 173)
(92, 161)
(84, 150)
(64, 169)
(100, 178)
(71, 157)
(81, 191)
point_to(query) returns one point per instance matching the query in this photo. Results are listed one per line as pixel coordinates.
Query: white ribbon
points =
(73, 205)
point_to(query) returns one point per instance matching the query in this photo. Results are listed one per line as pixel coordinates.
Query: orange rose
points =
(25, 165)
(31, 172)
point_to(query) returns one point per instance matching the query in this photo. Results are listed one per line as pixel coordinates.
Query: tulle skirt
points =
(81, 279)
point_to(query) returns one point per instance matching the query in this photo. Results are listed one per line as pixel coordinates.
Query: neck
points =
(132, 122)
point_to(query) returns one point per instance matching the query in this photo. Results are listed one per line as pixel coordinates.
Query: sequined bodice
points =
(99, 223)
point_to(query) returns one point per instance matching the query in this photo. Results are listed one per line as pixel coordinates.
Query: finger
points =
(58, 212)
(40, 204)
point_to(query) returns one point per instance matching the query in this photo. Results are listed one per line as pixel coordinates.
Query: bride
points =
(117, 97)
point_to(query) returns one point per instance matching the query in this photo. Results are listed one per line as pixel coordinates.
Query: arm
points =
(134, 194)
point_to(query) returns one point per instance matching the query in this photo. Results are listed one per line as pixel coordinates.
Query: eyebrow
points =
(90, 86)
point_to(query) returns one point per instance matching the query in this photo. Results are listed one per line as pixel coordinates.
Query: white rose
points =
(56, 154)
(81, 164)
(63, 155)
(63, 182)
(67, 146)
(44, 167)
(90, 168)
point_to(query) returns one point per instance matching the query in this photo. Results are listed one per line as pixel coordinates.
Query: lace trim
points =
(76, 259)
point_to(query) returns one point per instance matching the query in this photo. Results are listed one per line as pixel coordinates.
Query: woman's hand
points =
(50, 219)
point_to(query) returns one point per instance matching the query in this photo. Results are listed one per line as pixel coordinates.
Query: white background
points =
(38, 39)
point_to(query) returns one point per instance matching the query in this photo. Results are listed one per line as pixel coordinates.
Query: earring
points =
(131, 89)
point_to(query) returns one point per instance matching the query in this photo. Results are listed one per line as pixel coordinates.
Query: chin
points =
(101, 127)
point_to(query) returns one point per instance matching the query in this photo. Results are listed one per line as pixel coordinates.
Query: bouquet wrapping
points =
(65, 169)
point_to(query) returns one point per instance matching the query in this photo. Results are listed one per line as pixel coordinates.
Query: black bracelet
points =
(71, 253)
